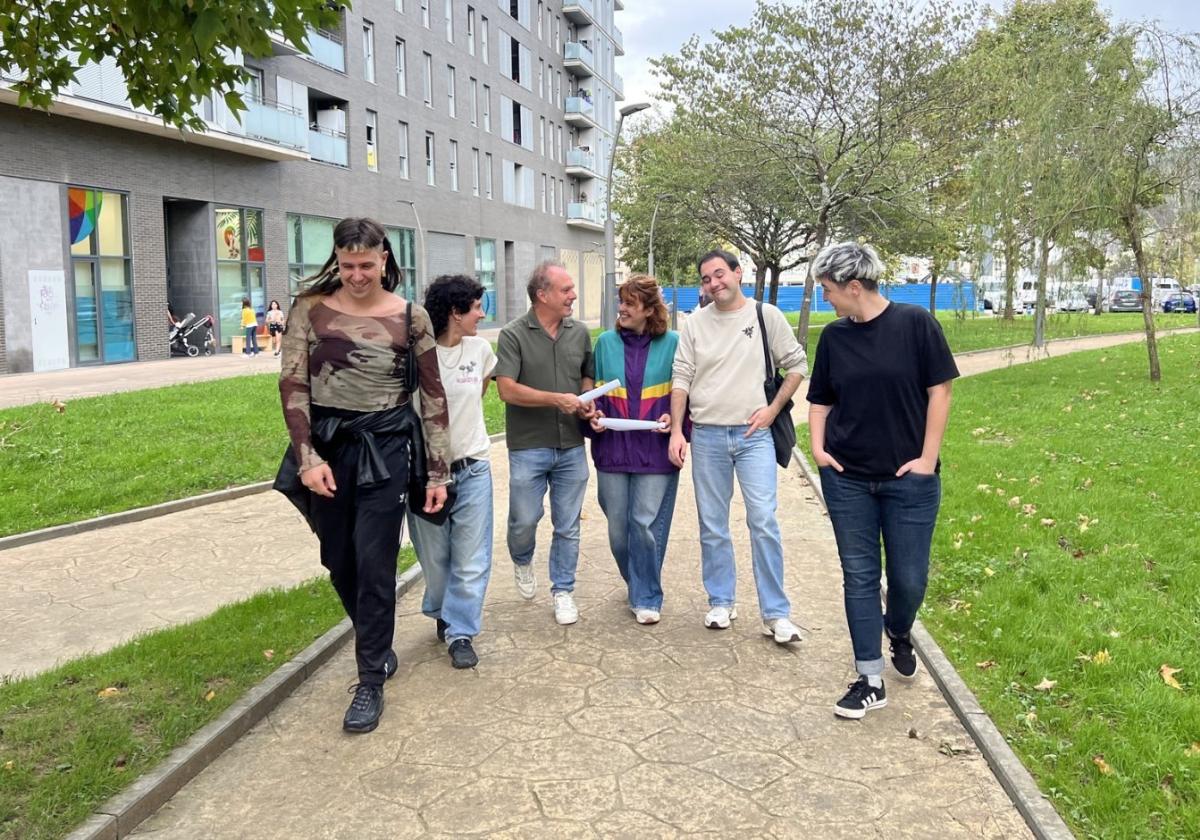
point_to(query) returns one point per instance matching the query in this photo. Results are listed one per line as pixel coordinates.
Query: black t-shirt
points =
(875, 374)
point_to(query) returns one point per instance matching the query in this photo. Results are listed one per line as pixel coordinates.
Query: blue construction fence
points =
(950, 296)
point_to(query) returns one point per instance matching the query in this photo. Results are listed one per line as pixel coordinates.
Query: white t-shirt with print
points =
(464, 367)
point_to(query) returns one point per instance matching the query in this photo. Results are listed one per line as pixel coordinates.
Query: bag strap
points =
(762, 332)
(410, 364)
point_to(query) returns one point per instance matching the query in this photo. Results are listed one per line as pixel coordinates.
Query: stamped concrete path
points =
(611, 729)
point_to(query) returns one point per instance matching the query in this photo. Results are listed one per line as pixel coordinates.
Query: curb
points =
(1037, 811)
(121, 815)
(125, 517)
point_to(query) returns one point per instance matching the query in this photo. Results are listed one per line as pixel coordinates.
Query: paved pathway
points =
(611, 729)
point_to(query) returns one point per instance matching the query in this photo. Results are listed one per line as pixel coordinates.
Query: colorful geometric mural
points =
(83, 208)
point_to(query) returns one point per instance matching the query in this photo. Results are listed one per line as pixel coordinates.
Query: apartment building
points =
(477, 131)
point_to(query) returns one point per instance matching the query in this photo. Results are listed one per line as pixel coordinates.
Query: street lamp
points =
(609, 292)
(421, 237)
(650, 258)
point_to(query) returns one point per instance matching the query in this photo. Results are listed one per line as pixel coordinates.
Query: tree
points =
(172, 53)
(836, 93)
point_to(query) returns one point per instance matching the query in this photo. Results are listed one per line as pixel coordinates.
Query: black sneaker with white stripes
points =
(904, 659)
(860, 699)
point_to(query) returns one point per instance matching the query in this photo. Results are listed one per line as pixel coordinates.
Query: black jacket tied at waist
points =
(333, 430)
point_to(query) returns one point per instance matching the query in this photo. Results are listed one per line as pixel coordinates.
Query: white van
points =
(1162, 288)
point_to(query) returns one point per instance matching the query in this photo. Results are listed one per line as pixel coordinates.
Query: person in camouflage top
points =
(349, 414)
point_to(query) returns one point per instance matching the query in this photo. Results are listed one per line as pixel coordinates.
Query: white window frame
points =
(425, 13)
(483, 39)
(401, 67)
(450, 21)
(403, 150)
(487, 109)
(474, 101)
(471, 30)
(368, 30)
(475, 172)
(430, 159)
(371, 125)
(454, 165)
(428, 91)
(451, 84)
(488, 175)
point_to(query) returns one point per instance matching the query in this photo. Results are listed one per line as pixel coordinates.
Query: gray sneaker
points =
(526, 582)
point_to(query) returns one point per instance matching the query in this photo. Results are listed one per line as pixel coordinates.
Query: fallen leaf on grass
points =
(119, 764)
(1168, 676)
(8, 765)
(1048, 523)
(59, 406)
(1194, 749)
(269, 654)
(111, 691)
(1046, 684)
(1102, 657)
(1102, 765)
(987, 663)
(1014, 502)
(208, 697)
(989, 571)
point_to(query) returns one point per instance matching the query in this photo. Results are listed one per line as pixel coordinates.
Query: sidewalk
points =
(608, 728)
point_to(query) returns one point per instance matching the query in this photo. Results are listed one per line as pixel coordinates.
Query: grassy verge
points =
(106, 454)
(1064, 585)
(77, 735)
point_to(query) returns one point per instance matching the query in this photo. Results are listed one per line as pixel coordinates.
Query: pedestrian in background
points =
(250, 325)
(275, 324)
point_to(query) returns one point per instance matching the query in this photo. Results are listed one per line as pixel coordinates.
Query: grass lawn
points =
(1065, 586)
(75, 736)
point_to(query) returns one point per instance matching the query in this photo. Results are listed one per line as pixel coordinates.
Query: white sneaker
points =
(647, 616)
(782, 629)
(565, 611)
(526, 582)
(718, 618)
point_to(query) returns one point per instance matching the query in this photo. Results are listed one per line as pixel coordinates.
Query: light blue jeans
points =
(719, 453)
(529, 473)
(456, 556)
(639, 509)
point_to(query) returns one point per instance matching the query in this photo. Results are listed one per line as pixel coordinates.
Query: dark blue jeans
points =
(902, 512)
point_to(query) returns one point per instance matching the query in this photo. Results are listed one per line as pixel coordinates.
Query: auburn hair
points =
(644, 289)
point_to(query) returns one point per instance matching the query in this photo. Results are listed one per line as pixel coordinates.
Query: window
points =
(103, 280)
(557, 24)
(519, 11)
(254, 83)
(450, 21)
(454, 165)
(241, 267)
(483, 39)
(401, 69)
(542, 136)
(451, 108)
(474, 102)
(428, 80)
(471, 30)
(369, 51)
(516, 123)
(425, 13)
(541, 11)
(485, 273)
(372, 124)
(400, 6)
(487, 174)
(403, 143)
(562, 150)
(487, 108)
(541, 78)
(430, 171)
(310, 242)
(545, 198)
(475, 172)
(518, 184)
(403, 241)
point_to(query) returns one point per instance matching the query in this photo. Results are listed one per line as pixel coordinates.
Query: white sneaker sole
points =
(717, 625)
(785, 639)
(858, 714)
(911, 676)
(566, 619)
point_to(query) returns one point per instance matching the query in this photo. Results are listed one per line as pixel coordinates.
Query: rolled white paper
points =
(611, 385)
(622, 424)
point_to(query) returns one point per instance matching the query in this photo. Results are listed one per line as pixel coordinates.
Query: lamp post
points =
(422, 275)
(608, 294)
(650, 256)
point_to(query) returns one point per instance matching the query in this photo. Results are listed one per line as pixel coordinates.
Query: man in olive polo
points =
(544, 362)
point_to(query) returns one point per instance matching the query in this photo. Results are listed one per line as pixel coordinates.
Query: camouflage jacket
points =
(357, 362)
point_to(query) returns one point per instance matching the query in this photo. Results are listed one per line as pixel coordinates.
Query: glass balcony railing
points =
(327, 48)
(583, 158)
(579, 107)
(576, 51)
(618, 40)
(580, 211)
(580, 11)
(619, 85)
(275, 123)
(328, 146)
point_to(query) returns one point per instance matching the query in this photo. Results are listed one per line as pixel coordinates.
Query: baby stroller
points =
(191, 335)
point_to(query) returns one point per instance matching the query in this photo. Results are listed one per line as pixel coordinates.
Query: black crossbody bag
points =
(783, 432)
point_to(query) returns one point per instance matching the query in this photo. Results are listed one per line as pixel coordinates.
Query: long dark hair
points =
(354, 235)
(448, 294)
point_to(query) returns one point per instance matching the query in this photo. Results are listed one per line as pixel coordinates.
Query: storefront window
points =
(240, 267)
(310, 242)
(102, 275)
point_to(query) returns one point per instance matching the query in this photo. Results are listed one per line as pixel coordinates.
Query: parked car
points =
(1181, 302)
(1075, 302)
(1126, 301)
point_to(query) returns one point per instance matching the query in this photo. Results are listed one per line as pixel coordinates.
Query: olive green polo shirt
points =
(528, 355)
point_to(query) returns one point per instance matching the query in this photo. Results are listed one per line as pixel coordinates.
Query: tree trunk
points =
(1099, 308)
(1039, 313)
(773, 289)
(760, 277)
(1010, 274)
(933, 280)
(809, 285)
(1132, 227)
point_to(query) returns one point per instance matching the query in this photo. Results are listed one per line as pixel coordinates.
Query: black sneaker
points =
(390, 665)
(860, 699)
(365, 709)
(442, 627)
(904, 660)
(462, 655)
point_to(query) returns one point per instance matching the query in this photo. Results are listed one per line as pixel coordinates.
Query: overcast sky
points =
(655, 27)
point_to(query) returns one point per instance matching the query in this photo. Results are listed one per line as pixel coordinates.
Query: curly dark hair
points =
(448, 294)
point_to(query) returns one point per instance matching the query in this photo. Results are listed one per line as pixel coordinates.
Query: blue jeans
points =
(903, 511)
(639, 508)
(566, 473)
(719, 453)
(456, 556)
(251, 343)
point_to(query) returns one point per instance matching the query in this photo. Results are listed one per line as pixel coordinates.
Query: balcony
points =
(618, 41)
(327, 49)
(618, 5)
(581, 163)
(579, 112)
(578, 59)
(281, 46)
(584, 215)
(579, 11)
(618, 84)
(328, 146)
(269, 121)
